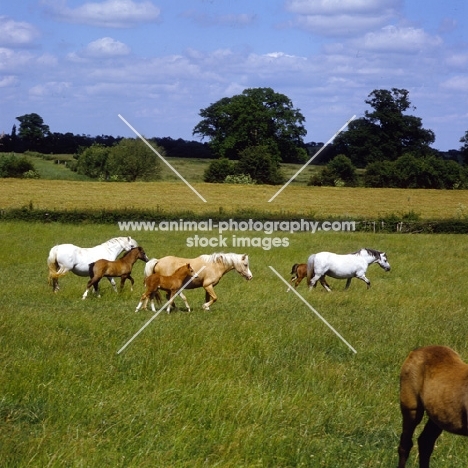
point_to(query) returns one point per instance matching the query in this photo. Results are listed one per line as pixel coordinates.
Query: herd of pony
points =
(433, 379)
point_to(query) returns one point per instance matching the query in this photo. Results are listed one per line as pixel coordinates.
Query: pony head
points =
(383, 262)
(191, 271)
(242, 266)
(127, 243)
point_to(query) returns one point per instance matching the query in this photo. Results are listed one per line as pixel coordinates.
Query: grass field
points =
(176, 197)
(258, 381)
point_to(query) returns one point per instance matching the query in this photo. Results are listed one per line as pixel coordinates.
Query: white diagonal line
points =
(162, 159)
(158, 312)
(313, 310)
(311, 159)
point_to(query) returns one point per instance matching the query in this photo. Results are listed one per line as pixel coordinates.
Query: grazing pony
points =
(353, 265)
(299, 272)
(170, 284)
(68, 257)
(216, 265)
(110, 269)
(433, 379)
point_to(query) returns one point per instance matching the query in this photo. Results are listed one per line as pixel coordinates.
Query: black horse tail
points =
(294, 269)
(91, 269)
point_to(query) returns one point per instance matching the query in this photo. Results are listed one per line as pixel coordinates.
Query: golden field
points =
(174, 197)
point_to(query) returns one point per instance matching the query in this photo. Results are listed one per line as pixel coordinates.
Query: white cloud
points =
(332, 18)
(456, 83)
(339, 7)
(395, 39)
(12, 61)
(110, 13)
(7, 81)
(232, 20)
(106, 47)
(16, 33)
(339, 25)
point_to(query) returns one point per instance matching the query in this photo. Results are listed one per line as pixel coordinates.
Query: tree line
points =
(251, 134)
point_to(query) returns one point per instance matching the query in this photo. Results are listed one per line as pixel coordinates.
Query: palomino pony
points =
(299, 272)
(68, 257)
(216, 265)
(121, 267)
(348, 266)
(433, 379)
(170, 284)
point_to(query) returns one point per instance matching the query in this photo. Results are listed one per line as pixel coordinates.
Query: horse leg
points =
(411, 418)
(426, 442)
(324, 283)
(182, 296)
(92, 282)
(210, 297)
(143, 302)
(363, 278)
(314, 280)
(348, 282)
(112, 282)
(170, 301)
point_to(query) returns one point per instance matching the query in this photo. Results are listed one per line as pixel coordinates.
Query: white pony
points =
(353, 265)
(68, 257)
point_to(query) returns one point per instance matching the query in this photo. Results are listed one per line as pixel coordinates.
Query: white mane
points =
(229, 259)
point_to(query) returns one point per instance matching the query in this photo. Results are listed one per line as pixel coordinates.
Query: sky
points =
(157, 63)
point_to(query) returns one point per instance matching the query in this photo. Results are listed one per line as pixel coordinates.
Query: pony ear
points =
(244, 256)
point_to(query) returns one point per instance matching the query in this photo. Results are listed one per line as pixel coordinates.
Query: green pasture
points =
(258, 381)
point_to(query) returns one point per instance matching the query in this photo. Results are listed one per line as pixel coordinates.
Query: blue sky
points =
(79, 64)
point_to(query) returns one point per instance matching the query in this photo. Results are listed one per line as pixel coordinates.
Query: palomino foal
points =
(170, 284)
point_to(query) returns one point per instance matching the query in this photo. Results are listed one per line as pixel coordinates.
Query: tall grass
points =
(257, 381)
(226, 199)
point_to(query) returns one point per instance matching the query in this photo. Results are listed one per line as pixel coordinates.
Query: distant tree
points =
(92, 161)
(410, 171)
(260, 165)
(380, 174)
(339, 171)
(13, 166)
(131, 160)
(386, 133)
(257, 117)
(32, 131)
(464, 148)
(218, 170)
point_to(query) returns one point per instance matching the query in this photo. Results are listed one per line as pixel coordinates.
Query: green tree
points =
(32, 131)
(92, 161)
(131, 159)
(257, 117)
(386, 133)
(218, 170)
(464, 148)
(12, 166)
(339, 171)
(260, 165)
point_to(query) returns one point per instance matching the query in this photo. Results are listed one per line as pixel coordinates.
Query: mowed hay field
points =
(258, 381)
(176, 197)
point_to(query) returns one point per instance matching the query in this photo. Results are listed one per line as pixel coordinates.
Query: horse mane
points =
(228, 259)
(374, 253)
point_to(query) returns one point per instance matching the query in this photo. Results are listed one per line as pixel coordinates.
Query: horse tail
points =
(310, 268)
(294, 269)
(91, 269)
(55, 271)
(149, 266)
(157, 296)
